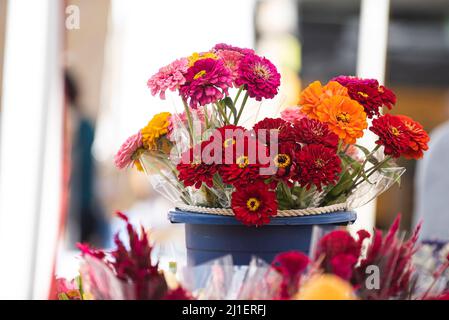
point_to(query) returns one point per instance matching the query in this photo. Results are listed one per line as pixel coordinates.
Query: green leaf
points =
(230, 104)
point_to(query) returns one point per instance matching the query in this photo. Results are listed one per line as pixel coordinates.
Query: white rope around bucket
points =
(280, 213)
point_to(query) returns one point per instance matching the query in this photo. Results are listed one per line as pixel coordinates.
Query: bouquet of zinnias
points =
(307, 158)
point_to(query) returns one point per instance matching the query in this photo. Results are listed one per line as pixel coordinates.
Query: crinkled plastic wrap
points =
(101, 282)
(220, 279)
(379, 182)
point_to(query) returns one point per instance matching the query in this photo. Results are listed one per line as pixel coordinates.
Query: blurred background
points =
(73, 79)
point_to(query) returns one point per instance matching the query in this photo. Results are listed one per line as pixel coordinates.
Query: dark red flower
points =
(311, 131)
(392, 133)
(178, 294)
(254, 205)
(193, 170)
(131, 264)
(317, 165)
(259, 77)
(387, 96)
(290, 265)
(340, 252)
(263, 128)
(368, 93)
(284, 161)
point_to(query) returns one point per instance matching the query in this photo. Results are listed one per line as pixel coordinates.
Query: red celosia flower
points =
(392, 133)
(311, 131)
(193, 171)
(178, 294)
(207, 81)
(317, 165)
(393, 257)
(254, 205)
(259, 76)
(133, 264)
(290, 265)
(340, 252)
(418, 138)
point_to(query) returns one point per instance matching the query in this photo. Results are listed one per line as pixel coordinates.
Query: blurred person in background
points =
(432, 186)
(86, 221)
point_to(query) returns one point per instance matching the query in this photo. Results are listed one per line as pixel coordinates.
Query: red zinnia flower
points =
(254, 205)
(418, 138)
(263, 128)
(393, 134)
(259, 76)
(368, 93)
(207, 81)
(193, 171)
(284, 160)
(246, 166)
(317, 165)
(387, 96)
(311, 131)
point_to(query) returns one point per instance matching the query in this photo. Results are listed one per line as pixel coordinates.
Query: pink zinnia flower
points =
(168, 78)
(207, 81)
(292, 114)
(231, 60)
(126, 154)
(223, 46)
(259, 76)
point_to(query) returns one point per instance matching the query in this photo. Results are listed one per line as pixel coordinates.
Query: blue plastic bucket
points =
(209, 237)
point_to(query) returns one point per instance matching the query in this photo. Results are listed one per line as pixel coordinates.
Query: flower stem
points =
(189, 120)
(238, 95)
(241, 108)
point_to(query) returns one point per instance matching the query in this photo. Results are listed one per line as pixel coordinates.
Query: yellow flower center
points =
(199, 56)
(282, 160)
(395, 131)
(242, 162)
(228, 142)
(319, 163)
(363, 94)
(199, 74)
(344, 117)
(261, 71)
(252, 204)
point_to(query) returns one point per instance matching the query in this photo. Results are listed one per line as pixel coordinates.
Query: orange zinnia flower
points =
(418, 138)
(344, 116)
(315, 93)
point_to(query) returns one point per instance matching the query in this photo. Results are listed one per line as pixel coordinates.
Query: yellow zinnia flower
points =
(155, 129)
(199, 56)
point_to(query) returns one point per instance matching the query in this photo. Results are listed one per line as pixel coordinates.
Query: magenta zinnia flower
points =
(168, 78)
(259, 76)
(126, 155)
(207, 81)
